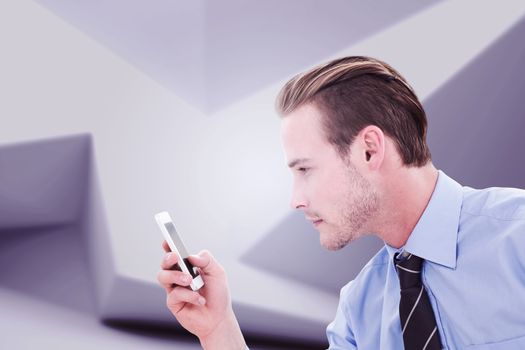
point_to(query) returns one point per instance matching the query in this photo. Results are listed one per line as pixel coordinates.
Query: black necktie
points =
(418, 323)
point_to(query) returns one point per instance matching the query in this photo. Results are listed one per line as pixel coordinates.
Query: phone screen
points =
(183, 253)
(175, 242)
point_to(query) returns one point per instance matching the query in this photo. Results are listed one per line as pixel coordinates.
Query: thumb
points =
(206, 262)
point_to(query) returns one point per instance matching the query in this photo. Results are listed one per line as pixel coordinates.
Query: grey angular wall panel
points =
(42, 246)
(477, 119)
(42, 182)
(194, 48)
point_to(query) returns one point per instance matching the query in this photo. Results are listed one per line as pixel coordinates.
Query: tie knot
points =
(408, 270)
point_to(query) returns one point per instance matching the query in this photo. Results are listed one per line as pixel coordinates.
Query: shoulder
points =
(492, 221)
(497, 203)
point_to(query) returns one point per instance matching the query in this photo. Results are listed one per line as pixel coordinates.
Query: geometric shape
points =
(42, 182)
(476, 120)
(48, 264)
(193, 48)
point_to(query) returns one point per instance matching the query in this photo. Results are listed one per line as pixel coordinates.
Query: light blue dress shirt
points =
(473, 242)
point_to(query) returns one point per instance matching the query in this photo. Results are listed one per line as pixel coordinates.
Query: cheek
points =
(326, 192)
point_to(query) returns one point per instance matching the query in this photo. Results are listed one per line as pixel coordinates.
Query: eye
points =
(302, 170)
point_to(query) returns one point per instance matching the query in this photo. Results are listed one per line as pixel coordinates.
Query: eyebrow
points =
(297, 161)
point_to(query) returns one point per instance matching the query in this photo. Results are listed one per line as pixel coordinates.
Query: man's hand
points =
(207, 313)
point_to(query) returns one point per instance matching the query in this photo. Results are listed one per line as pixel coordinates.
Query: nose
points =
(298, 199)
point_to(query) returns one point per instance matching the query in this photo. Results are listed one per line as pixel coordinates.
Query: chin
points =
(332, 244)
(335, 242)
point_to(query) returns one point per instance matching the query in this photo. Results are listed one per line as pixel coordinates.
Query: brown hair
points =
(357, 91)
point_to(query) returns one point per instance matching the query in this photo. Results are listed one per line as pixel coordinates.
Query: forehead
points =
(302, 132)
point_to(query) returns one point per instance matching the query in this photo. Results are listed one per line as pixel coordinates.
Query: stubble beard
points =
(359, 203)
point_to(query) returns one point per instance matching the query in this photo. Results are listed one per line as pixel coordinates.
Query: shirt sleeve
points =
(339, 331)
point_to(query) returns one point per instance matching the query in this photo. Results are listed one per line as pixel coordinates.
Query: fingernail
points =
(202, 301)
(167, 256)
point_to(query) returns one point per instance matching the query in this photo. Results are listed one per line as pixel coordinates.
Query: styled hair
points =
(355, 92)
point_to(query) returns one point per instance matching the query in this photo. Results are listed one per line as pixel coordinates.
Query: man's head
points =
(344, 123)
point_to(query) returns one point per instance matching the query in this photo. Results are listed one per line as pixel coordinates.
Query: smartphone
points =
(176, 245)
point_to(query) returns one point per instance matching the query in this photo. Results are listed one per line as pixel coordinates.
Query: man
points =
(452, 272)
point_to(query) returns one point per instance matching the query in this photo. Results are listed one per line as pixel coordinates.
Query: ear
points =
(372, 146)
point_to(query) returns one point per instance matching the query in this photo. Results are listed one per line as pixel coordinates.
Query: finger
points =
(169, 261)
(206, 262)
(167, 278)
(166, 247)
(178, 296)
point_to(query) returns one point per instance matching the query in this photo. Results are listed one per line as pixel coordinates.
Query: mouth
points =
(314, 220)
(317, 222)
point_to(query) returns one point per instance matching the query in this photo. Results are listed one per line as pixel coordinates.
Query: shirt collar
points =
(435, 236)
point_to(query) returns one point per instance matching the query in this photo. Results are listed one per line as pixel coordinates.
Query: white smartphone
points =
(176, 245)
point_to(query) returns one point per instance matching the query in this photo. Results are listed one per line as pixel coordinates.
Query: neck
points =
(405, 197)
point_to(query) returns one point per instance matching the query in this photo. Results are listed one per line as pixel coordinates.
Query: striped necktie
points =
(418, 323)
